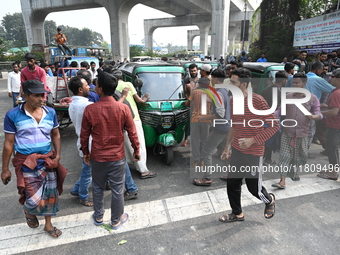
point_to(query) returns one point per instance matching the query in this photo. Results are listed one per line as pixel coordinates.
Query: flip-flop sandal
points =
(270, 208)
(325, 176)
(120, 222)
(231, 217)
(278, 185)
(53, 233)
(32, 221)
(184, 144)
(86, 202)
(202, 182)
(224, 178)
(149, 175)
(96, 222)
(296, 178)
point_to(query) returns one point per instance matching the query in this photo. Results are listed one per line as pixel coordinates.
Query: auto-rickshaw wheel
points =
(168, 155)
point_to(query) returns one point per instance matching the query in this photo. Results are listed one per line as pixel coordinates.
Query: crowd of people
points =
(108, 141)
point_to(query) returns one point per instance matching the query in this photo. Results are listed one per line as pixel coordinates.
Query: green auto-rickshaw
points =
(163, 116)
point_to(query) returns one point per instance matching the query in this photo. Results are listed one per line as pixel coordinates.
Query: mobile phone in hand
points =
(7, 181)
(137, 157)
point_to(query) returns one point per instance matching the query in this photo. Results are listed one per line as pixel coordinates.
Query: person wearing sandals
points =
(219, 132)
(333, 129)
(80, 90)
(107, 157)
(281, 78)
(133, 98)
(294, 139)
(245, 148)
(32, 129)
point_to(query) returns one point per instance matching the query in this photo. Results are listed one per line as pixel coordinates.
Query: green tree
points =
(277, 21)
(97, 38)
(136, 50)
(83, 37)
(313, 8)
(50, 28)
(105, 45)
(15, 29)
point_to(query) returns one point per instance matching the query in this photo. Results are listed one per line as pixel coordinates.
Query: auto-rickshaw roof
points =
(132, 66)
(259, 66)
(200, 63)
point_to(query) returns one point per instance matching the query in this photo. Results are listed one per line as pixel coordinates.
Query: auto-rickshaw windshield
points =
(161, 86)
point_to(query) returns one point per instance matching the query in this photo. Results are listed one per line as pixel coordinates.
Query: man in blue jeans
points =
(80, 89)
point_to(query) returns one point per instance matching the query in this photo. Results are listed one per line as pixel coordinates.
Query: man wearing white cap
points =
(205, 70)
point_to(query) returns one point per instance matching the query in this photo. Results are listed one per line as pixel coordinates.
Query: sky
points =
(99, 21)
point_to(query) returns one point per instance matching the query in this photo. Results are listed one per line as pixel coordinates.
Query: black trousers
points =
(241, 166)
(333, 148)
(62, 47)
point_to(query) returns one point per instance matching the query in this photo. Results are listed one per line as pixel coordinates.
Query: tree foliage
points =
(136, 50)
(85, 36)
(50, 28)
(277, 21)
(15, 29)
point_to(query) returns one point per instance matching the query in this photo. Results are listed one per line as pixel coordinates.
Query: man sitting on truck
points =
(61, 39)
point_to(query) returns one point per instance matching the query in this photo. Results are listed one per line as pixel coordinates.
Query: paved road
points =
(171, 216)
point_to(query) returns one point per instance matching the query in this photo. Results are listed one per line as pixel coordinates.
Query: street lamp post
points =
(244, 24)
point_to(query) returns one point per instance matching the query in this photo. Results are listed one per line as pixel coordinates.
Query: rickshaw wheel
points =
(168, 155)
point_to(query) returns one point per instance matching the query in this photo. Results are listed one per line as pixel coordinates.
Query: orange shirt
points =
(60, 38)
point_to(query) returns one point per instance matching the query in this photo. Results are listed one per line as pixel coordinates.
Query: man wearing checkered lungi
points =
(294, 138)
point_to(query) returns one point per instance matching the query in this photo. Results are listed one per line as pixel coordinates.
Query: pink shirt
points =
(38, 74)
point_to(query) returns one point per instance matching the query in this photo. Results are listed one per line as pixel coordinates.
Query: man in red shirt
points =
(106, 121)
(333, 129)
(245, 148)
(32, 72)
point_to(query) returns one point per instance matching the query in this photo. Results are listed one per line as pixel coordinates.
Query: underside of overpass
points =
(208, 15)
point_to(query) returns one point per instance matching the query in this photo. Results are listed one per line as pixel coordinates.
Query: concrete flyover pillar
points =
(150, 25)
(118, 14)
(34, 24)
(204, 32)
(191, 34)
(35, 11)
(219, 26)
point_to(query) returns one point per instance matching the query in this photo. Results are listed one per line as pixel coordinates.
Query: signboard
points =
(318, 34)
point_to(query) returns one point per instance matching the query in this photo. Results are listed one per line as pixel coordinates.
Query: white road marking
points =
(19, 238)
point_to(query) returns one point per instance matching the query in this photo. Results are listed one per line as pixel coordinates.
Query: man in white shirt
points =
(13, 83)
(93, 70)
(80, 89)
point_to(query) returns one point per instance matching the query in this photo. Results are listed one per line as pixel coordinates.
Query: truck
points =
(80, 53)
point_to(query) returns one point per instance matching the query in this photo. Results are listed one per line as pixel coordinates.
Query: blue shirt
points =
(72, 72)
(289, 81)
(93, 96)
(316, 85)
(262, 60)
(31, 136)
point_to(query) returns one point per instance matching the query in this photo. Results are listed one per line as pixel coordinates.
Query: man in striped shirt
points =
(245, 148)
